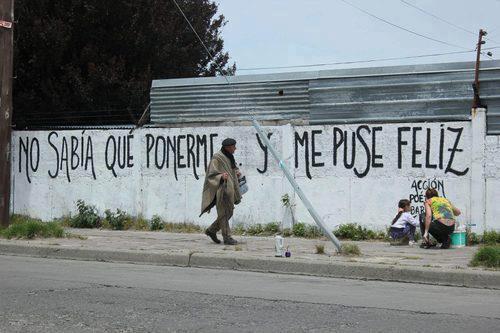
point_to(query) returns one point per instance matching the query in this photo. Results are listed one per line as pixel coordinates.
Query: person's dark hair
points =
(402, 204)
(431, 193)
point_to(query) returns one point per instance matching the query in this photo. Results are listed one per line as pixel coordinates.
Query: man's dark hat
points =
(228, 142)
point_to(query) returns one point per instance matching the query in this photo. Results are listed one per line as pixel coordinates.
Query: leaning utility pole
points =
(475, 85)
(6, 64)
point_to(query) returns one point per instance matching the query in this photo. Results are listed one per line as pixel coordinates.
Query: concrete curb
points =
(461, 278)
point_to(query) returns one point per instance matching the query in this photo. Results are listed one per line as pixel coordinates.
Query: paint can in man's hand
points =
(243, 185)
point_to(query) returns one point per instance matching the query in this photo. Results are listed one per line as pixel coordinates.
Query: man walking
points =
(221, 189)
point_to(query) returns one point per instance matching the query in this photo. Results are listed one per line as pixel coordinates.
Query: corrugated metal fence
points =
(435, 92)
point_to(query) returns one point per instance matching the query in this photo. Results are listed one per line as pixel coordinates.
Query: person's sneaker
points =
(213, 236)
(427, 245)
(446, 244)
(230, 241)
(411, 243)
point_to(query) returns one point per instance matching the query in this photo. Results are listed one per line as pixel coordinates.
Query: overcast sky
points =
(268, 33)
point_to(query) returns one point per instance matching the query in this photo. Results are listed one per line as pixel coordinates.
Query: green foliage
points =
(313, 231)
(271, 228)
(356, 232)
(118, 220)
(189, 228)
(299, 229)
(472, 238)
(29, 228)
(287, 232)
(64, 221)
(491, 237)
(255, 230)
(102, 55)
(86, 217)
(349, 249)
(156, 223)
(488, 256)
(139, 223)
(239, 229)
(285, 200)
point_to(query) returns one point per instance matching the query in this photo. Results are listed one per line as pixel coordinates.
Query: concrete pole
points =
(298, 190)
(6, 64)
(478, 181)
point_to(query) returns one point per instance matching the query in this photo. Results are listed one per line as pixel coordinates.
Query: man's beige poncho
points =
(227, 193)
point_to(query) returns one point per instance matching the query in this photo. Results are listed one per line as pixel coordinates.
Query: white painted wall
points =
(492, 177)
(340, 193)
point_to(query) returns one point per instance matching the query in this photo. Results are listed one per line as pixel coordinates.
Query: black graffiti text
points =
(361, 141)
(30, 150)
(423, 159)
(184, 151)
(118, 153)
(71, 153)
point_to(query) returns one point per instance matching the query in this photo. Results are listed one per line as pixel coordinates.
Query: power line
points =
(402, 28)
(356, 61)
(443, 20)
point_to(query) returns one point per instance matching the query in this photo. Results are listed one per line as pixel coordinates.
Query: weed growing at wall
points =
(139, 223)
(488, 256)
(117, 220)
(299, 229)
(156, 223)
(238, 229)
(272, 228)
(491, 237)
(472, 238)
(86, 217)
(287, 232)
(189, 228)
(255, 230)
(356, 232)
(29, 228)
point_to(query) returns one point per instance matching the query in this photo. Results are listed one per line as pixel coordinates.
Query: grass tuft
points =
(320, 248)
(488, 256)
(349, 249)
(189, 228)
(24, 227)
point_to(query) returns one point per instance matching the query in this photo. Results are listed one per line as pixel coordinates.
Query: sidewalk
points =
(379, 260)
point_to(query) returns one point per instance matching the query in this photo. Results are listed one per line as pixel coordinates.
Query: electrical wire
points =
(445, 21)
(365, 61)
(355, 61)
(210, 54)
(402, 28)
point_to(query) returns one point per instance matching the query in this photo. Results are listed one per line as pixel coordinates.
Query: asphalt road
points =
(47, 295)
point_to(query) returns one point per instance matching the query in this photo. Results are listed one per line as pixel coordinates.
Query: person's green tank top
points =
(442, 209)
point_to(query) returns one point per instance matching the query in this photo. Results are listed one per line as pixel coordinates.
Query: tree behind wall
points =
(89, 62)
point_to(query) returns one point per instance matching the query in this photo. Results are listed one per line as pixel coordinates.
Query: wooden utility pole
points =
(477, 100)
(6, 64)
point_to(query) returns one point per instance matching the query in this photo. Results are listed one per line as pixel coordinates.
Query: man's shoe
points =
(230, 241)
(446, 244)
(213, 236)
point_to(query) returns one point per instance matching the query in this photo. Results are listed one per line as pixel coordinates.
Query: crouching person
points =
(221, 189)
(440, 217)
(404, 224)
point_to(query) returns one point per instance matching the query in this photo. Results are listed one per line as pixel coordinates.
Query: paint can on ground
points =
(458, 238)
(279, 244)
